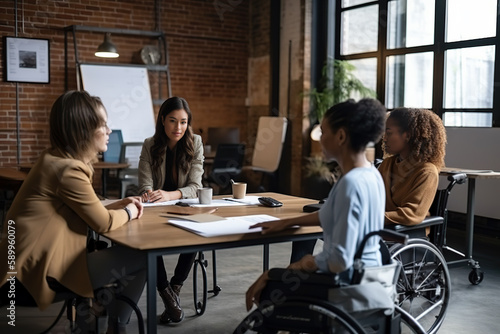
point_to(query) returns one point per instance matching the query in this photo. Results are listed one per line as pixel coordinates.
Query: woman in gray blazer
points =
(170, 168)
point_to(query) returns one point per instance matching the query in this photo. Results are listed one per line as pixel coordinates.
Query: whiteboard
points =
(126, 95)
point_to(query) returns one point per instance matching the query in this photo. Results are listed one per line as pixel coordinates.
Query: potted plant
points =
(338, 83)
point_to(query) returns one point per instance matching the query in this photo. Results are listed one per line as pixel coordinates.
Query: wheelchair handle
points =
(459, 178)
(385, 234)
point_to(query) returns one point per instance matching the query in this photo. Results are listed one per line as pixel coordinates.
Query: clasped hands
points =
(159, 195)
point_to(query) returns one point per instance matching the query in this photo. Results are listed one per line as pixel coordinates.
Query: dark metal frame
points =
(438, 48)
(159, 35)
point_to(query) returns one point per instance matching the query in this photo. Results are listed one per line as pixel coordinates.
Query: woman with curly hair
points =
(170, 168)
(414, 147)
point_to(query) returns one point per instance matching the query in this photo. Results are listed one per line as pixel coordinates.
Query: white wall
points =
(475, 148)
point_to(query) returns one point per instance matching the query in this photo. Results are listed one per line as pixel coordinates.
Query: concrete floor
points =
(472, 309)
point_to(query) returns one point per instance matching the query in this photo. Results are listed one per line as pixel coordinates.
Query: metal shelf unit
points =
(162, 44)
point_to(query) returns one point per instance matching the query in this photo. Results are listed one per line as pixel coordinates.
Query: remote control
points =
(271, 202)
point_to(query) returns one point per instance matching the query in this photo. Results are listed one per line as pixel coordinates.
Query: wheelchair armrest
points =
(428, 221)
(289, 275)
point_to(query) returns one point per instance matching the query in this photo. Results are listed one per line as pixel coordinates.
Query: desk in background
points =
(11, 180)
(153, 235)
(476, 276)
(103, 166)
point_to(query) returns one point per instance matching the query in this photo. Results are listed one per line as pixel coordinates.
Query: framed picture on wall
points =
(26, 60)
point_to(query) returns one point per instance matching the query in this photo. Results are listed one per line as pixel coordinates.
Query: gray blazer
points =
(188, 182)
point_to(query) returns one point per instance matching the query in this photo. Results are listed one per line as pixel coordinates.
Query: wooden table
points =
(153, 235)
(472, 175)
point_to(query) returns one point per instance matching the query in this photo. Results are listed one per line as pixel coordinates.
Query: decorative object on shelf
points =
(107, 49)
(149, 55)
(26, 60)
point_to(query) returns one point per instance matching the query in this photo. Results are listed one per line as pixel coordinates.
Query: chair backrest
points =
(224, 135)
(439, 208)
(114, 147)
(130, 152)
(229, 156)
(271, 134)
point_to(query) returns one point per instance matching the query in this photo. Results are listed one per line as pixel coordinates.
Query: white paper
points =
(229, 201)
(230, 225)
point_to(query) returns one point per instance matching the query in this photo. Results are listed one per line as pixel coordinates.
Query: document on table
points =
(227, 226)
(229, 201)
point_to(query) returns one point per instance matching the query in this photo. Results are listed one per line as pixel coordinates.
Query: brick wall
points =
(208, 48)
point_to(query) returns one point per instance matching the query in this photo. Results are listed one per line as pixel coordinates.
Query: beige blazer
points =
(188, 182)
(50, 216)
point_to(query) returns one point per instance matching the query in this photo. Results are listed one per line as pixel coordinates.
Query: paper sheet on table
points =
(248, 200)
(230, 225)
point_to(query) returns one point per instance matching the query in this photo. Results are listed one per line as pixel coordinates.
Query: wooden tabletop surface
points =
(152, 231)
(471, 173)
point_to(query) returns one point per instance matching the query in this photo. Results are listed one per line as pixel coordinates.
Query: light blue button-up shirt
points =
(355, 207)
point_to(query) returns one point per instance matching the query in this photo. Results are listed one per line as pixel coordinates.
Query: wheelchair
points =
(424, 286)
(300, 302)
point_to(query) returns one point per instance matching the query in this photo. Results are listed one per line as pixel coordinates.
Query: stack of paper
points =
(194, 202)
(222, 226)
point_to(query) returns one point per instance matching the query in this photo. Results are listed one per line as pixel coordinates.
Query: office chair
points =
(129, 153)
(271, 133)
(227, 165)
(222, 135)
(74, 305)
(120, 152)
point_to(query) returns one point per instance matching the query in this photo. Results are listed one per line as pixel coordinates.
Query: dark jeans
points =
(301, 249)
(181, 272)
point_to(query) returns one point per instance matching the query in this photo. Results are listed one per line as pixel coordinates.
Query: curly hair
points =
(184, 150)
(426, 131)
(364, 121)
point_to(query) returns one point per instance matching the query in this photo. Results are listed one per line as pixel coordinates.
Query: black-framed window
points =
(434, 54)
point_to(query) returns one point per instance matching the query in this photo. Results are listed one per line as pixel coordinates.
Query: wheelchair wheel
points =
(423, 287)
(299, 316)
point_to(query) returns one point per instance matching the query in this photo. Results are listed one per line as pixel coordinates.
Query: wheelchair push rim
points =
(423, 287)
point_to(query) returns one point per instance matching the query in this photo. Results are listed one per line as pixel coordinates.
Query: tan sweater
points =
(410, 190)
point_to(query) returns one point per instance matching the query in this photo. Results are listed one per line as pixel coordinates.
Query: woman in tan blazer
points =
(170, 168)
(56, 205)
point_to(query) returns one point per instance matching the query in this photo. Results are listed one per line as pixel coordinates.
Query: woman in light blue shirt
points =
(355, 205)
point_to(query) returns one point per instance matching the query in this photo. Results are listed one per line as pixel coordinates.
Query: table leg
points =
(469, 223)
(104, 178)
(265, 257)
(151, 293)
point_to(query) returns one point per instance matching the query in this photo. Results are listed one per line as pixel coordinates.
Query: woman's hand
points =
(133, 203)
(254, 291)
(160, 196)
(272, 226)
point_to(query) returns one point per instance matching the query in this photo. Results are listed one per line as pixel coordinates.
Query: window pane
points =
(472, 119)
(359, 30)
(411, 23)
(349, 3)
(467, 19)
(469, 77)
(366, 72)
(409, 80)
